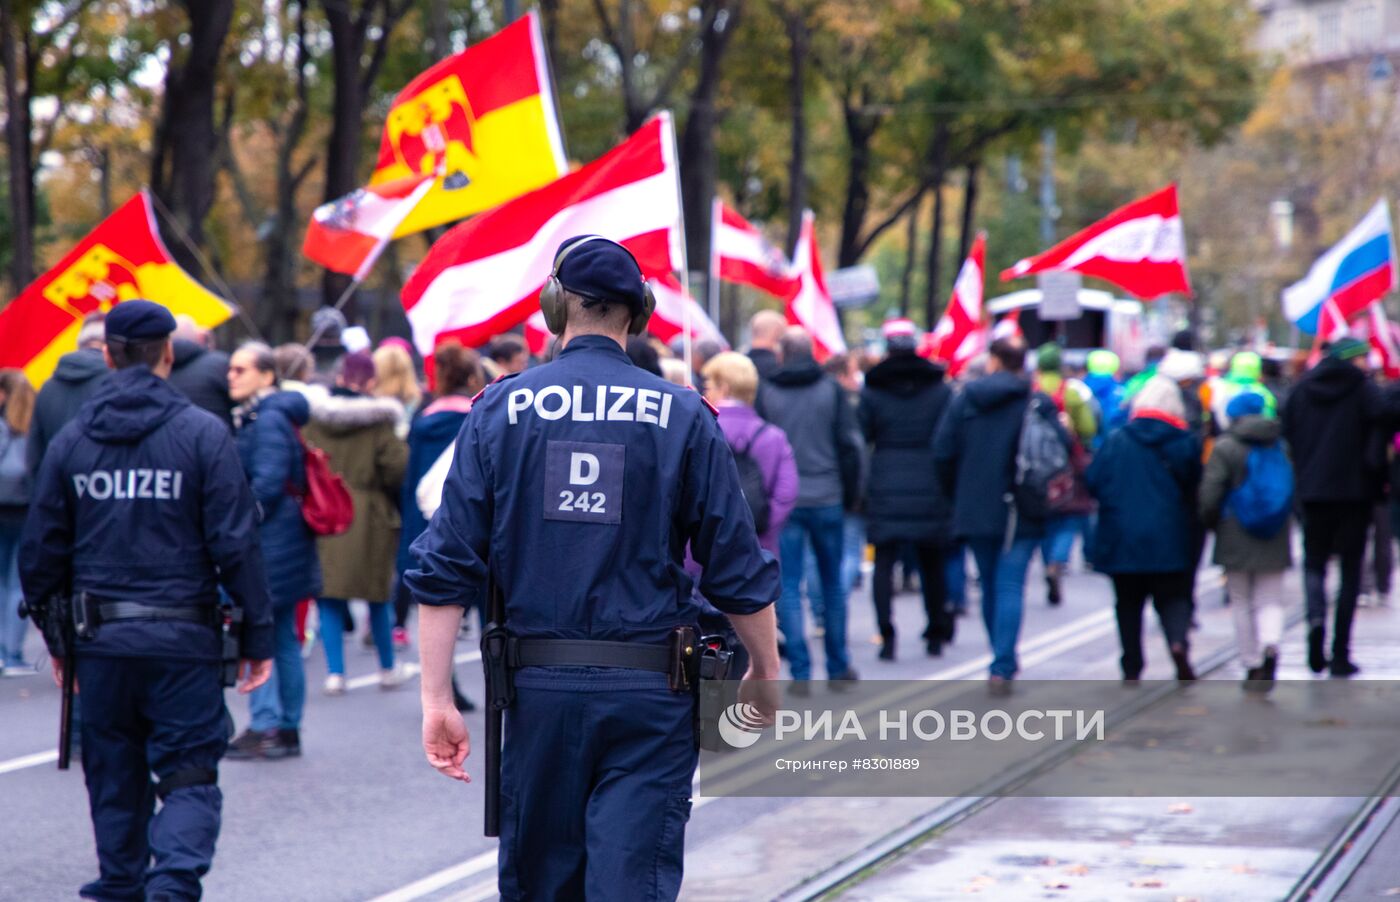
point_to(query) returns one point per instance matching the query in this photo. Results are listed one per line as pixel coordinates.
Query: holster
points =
(231, 645)
(684, 658)
(497, 661)
(715, 658)
(53, 618)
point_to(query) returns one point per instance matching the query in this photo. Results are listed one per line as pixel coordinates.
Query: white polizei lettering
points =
(583, 468)
(162, 485)
(519, 400)
(623, 394)
(143, 485)
(648, 402)
(552, 391)
(600, 409)
(103, 477)
(580, 415)
(179, 475)
(665, 411)
(117, 487)
(80, 483)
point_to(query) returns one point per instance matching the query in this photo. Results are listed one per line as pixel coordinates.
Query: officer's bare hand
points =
(252, 674)
(446, 742)
(763, 694)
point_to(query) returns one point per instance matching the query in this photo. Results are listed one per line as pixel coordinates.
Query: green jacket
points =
(1235, 549)
(1081, 416)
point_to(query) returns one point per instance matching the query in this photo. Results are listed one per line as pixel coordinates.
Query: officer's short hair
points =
(264, 358)
(136, 353)
(614, 315)
(93, 332)
(736, 373)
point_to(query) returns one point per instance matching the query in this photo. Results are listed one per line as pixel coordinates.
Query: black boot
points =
(1254, 679)
(934, 648)
(1052, 587)
(1269, 669)
(1184, 673)
(887, 647)
(1342, 667)
(1317, 660)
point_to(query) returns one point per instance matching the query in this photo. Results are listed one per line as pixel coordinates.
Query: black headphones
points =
(556, 312)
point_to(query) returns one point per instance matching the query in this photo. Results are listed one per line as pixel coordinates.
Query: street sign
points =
(854, 286)
(1059, 295)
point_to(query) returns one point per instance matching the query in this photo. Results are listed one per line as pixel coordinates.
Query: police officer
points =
(141, 512)
(577, 485)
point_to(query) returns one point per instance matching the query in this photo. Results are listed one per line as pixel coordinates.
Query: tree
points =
(697, 150)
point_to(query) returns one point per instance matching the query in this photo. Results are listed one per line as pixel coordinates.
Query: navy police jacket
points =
(579, 484)
(142, 498)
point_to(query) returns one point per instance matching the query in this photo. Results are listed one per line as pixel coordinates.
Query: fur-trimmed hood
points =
(339, 413)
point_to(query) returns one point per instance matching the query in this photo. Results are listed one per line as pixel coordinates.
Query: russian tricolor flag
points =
(1347, 279)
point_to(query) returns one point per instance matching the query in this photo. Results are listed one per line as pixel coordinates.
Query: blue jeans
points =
(823, 526)
(335, 613)
(852, 550)
(1060, 531)
(278, 703)
(1003, 575)
(12, 626)
(955, 576)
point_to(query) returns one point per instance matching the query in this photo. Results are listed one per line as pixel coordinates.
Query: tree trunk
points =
(18, 70)
(860, 130)
(934, 267)
(969, 210)
(438, 31)
(797, 92)
(911, 260)
(549, 18)
(347, 110)
(182, 171)
(697, 149)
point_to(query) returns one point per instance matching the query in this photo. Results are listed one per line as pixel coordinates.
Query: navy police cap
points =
(139, 320)
(600, 269)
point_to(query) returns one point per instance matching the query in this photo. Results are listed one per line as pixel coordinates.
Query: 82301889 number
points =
(586, 502)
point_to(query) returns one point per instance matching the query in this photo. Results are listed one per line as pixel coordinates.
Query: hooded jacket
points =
(143, 500)
(900, 407)
(77, 377)
(1333, 424)
(357, 432)
(202, 376)
(1145, 479)
(820, 425)
(276, 468)
(1235, 548)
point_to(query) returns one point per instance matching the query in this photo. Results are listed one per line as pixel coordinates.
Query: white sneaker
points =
(335, 684)
(394, 677)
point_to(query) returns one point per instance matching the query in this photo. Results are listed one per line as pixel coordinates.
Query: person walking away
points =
(1244, 376)
(975, 451)
(394, 377)
(266, 421)
(765, 332)
(901, 404)
(356, 430)
(1145, 478)
(77, 377)
(1334, 424)
(201, 374)
(1247, 498)
(1079, 422)
(16, 487)
(1102, 380)
(141, 513)
(811, 410)
(598, 762)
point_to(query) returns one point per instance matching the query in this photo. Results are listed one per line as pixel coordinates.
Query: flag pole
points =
(687, 356)
(208, 267)
(716, 213)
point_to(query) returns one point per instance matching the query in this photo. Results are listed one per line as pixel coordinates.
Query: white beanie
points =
(1160, 393)
(1179, 365)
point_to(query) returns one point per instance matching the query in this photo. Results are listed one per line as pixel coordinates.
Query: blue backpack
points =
(1263, 501)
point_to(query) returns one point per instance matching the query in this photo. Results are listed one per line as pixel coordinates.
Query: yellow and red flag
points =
(121, 259)
(483, 121)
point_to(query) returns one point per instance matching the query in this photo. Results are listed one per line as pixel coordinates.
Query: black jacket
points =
(143, 499)
(1335, 423)
(765, 361)
(814, 412)
(78, 376)
(900, 407)
(202, 376)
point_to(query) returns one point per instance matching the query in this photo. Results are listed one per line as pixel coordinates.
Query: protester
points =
(394, 377)
(16, 487)
(640, 350)
(295, 365)
(328, 325)
(674, 371)
(356, 430)
(1333, 425)
(845, 369)
(1145, 479)
(200, 374)
(265, 429)
(509, 354)
(1078, 419)
(903, 400)
(77, 377)
(975, 451)
(811, 410)
(1245, 370)
(701, 353)
(1153, 358)
(1254, 564)
(1102, 380)
(765, 331)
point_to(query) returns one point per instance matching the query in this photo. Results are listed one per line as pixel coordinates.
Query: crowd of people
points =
(861, 450)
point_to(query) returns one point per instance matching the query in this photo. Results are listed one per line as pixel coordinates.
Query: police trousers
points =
(595, 786)
(144, 716)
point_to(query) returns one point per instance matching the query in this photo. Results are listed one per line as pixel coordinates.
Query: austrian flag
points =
(349, 233)
(743, 256)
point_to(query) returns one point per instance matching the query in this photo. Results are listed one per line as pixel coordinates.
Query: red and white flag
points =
(349, 233)
(959, 335)
(1376, 328)
(810, 306)
(669, 318)
(537, 334)
(1140, 248)
(740, 254)
(484, 276)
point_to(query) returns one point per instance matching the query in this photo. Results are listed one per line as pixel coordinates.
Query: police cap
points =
(139, 320)
(598, 269)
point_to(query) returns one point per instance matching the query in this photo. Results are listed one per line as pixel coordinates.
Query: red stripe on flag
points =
(1360, 294)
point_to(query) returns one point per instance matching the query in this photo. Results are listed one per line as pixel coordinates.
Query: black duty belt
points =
(112, 611)
(590, 653)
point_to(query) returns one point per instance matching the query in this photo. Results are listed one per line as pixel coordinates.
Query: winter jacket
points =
(77, 377)
(357, 433)
(428, 437)
(974, 451)
(765, 361)
(276, 468)
(143, 500)
(202, 376)
(900, 407)
(1333, 425)
(820, 425)
(1145, 479)
(1081, 416)
(774, 456)
(1109, 395)
(1235, 548)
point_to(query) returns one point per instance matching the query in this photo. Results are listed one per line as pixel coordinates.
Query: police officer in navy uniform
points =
(142, 511)
(578, 485)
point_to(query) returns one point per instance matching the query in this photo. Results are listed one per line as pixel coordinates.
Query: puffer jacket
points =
(900, 407)
(1235, 548)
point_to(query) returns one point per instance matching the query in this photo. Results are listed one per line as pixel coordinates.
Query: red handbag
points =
(325, 502)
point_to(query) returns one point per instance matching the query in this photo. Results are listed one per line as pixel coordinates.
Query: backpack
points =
(1044, 474)
(325, 502)
(752, 484)
(1264, 499)
(14, 468)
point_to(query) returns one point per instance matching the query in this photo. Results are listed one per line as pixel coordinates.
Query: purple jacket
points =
(773, 455)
